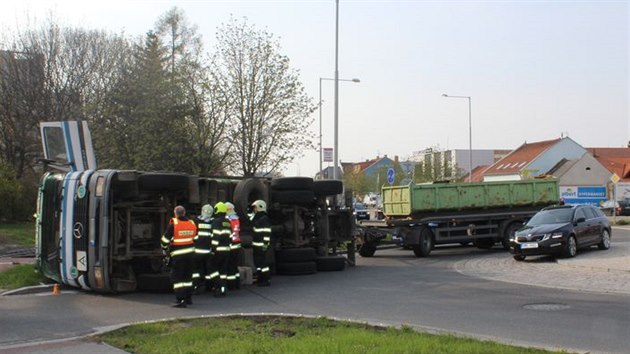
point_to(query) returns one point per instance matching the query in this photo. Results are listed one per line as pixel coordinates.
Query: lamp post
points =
(321, 156)
(469, 133)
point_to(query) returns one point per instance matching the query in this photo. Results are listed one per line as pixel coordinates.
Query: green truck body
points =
(422, 216)
(422, 199)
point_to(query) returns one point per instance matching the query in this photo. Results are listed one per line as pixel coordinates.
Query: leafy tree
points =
(267, 107)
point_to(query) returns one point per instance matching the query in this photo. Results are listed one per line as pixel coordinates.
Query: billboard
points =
(592, 195)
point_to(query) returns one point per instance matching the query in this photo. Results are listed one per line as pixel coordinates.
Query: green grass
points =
(290, 335)
(18, 235)
(21, 276)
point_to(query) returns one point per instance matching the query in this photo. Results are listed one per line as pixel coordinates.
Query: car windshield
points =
(551, 216)
(359, 206)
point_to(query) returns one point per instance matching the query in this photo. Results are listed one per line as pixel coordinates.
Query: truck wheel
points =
(425, 243)
(508, 231)
(296, 268)
(292, 183)
(519, 257)
(330, 263)
(293, 197)
(163, 181)
(327, 187)
(367, 250)
(246, 192)
(304, 254)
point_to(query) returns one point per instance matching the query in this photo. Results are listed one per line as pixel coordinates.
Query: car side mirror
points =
(580, 220)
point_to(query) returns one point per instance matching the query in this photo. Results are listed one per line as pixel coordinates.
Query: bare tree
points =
(266, 103)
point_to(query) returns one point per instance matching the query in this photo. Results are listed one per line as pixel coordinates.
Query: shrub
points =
(18, 202)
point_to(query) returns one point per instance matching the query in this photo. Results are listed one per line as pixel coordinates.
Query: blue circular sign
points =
(390, 175)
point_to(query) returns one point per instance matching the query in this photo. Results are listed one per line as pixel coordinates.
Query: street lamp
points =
(469, 133)
(321, 156)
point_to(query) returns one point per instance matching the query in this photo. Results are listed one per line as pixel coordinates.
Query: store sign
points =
(592, 195)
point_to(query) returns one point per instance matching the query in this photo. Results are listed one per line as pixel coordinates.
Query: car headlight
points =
(557, 234)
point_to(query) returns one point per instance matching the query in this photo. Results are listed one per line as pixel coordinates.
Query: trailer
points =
(99, 229)
(421, 216)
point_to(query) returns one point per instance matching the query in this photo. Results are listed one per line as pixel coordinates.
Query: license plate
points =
(528, 245)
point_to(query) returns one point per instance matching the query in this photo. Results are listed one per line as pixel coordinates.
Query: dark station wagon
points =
(561, 230)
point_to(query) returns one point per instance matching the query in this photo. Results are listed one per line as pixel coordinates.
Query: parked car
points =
(624, 207)
(608, 207)
(561, 230)
(361, 212)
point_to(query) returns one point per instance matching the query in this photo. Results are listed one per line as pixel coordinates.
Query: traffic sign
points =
(614, 178)
(390, 175)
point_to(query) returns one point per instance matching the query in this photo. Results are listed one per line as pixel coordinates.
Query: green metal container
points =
(434, 198)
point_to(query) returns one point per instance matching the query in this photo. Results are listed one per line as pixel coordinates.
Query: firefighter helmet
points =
(259, 205)
(230, 209)
(220, 208)
(207, 211)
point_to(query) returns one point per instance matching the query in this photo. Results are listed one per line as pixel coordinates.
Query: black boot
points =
(180, 303)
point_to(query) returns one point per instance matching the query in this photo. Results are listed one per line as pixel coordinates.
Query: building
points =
(450, 165)
(533, 159)
(617, 161)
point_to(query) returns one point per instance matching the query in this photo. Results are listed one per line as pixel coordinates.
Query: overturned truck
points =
(99, 230)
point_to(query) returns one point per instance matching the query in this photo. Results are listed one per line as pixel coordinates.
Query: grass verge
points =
(18, 235)
(278, 335)
(21, 276)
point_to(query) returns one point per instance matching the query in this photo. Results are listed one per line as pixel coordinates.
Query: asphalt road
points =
(392, 288)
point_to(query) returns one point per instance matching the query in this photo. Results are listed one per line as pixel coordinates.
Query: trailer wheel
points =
(292, 183)
(305, 254)
(367, 250)
(508, 231)
(327, 187)
(296, 268)
(425, 244)
(163, 181)
(330, 263)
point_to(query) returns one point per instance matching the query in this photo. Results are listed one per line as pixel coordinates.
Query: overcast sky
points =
(534, 69)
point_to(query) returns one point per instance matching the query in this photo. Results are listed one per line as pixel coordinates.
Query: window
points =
(579, 214)
(55, 144)
(590, 212)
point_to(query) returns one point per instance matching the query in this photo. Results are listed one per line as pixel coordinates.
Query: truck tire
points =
(301, 197)
(163, 181)
(326, 187)
(330, 263)
(367, 250)
(425, 244)
(508, 231)
(289, 255)
(246, 192)
(296, 268)
(292, 183)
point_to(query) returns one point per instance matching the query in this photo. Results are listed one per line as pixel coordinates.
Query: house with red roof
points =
(533, 159)
(617, 161)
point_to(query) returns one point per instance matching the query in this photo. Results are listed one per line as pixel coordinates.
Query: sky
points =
(535, 70)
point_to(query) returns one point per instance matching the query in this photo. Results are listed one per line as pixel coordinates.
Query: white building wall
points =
(566, 148)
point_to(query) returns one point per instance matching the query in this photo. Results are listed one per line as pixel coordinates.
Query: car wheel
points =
(570, 249)
(519, 257)
(605, 242)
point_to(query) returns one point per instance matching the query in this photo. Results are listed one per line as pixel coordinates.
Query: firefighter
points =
(234, 277)
(221, 232)
(261, 239)
(178, 244)
(201, 273)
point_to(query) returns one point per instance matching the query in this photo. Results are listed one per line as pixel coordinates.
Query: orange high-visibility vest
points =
(183, 232)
